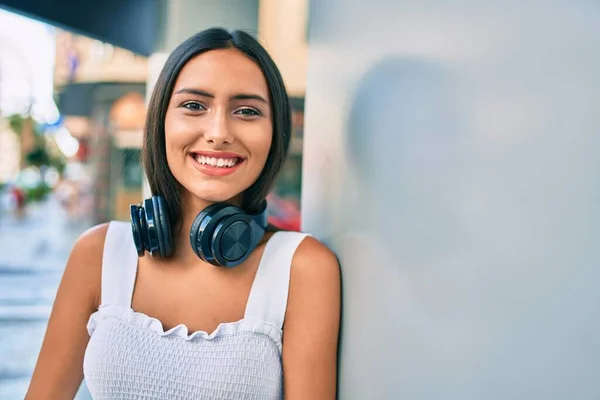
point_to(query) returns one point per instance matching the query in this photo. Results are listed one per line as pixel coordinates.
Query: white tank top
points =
(130, 356)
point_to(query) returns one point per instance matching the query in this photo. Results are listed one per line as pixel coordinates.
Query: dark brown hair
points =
(154, 156)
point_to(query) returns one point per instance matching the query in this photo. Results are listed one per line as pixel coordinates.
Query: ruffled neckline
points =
(144, 321)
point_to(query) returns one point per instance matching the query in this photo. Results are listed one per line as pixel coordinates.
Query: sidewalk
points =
(41, 241)
(33, 254)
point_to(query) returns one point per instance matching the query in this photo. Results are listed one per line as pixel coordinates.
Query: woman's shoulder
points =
(312, 260)
(84, 266)
(87, 251)
(314, 293)
(310, 251)
(92, 240)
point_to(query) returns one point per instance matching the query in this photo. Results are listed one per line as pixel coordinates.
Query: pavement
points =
(33, 253)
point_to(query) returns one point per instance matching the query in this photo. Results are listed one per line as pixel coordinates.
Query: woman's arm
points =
(59, 369)
(312, 322)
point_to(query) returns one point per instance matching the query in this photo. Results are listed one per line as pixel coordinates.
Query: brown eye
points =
(248, 112)
(193, 106)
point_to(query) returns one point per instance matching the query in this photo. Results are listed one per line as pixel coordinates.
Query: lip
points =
(212, 170)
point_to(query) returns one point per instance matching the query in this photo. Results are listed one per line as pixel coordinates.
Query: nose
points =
(218, 132)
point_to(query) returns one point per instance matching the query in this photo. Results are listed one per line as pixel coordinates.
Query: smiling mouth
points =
(217, 162)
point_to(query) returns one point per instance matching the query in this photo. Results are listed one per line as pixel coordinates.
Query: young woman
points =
(225, 307)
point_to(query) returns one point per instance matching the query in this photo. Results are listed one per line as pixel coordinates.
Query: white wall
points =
(451, 160)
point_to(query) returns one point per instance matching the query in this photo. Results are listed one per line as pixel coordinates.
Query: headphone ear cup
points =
(224, 235)
(136, 229)
(151, 236)
(234, 239)
(237, 234)
(201, 232)
(163, 226)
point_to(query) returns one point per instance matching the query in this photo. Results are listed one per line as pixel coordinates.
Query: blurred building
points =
(101, 90)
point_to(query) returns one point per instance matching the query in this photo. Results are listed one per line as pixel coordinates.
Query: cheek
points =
(260, 146)
(175, 134)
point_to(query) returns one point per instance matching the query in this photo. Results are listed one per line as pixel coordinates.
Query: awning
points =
(130, 24)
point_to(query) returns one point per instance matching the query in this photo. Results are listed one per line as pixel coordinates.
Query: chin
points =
(217, 198)
(214, 194)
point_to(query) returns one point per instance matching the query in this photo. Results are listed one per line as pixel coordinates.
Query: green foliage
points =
(38, 156)
(37, 193)
(16, 122)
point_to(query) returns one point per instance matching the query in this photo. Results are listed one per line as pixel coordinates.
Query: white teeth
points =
(217, 162)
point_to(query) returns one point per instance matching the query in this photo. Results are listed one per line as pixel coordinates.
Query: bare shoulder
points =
(93, 238)
(89, 245)
(315, 279)
(315, 259)
(85, 260)
(312, 257)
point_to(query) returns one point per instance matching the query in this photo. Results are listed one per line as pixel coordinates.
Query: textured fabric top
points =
(131, 356)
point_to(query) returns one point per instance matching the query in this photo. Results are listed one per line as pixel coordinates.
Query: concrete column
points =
(451, 160)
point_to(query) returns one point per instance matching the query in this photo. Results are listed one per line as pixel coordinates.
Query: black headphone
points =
(221, 234)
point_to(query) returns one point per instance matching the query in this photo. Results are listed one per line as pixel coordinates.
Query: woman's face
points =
(218, 127)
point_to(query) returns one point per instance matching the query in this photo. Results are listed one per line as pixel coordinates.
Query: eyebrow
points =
(239, 96)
